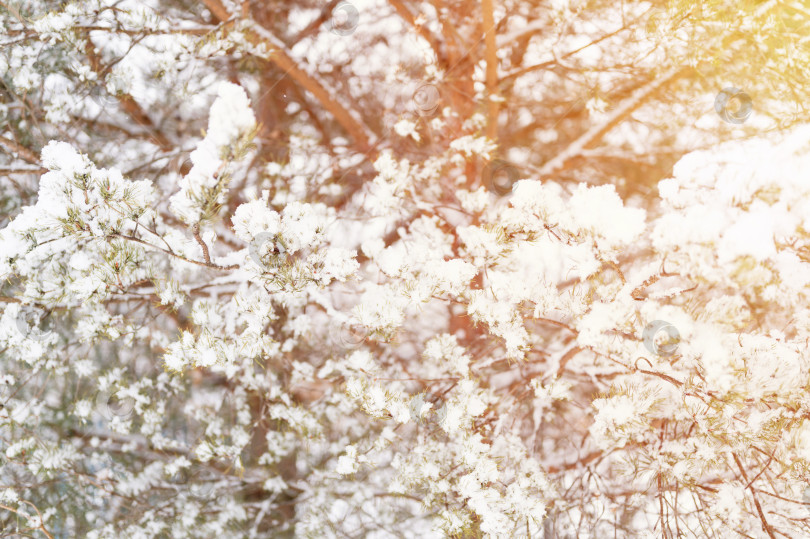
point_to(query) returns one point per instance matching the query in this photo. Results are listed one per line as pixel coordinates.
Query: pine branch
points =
(147, 244)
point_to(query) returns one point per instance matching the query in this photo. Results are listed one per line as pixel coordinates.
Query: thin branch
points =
(41, 522)
(491, 56)
(128, 103)
(404, 12)
(765, 525)
(587, 459)
(278, 54)
(9, 171)
(195, 31)
(23, 152)
(529, 29)
(452, 40)
(195, 230)
(520, 72)
(313, 27)
(595, 133)
(217, 9)
(142, 242)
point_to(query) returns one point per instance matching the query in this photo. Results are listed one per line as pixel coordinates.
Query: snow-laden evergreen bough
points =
(201, 338)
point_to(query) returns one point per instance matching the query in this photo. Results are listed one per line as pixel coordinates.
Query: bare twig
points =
(765, 525)
(595, 133)
(278, 54)
(491, 56)
(128, 103)
(195, 230)
(21, 151)
(9, 171)
(313, 27)
(41, 522)
(405, 12)
(142, 242)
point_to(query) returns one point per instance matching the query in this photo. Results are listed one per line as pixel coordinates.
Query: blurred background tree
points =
(590, 92)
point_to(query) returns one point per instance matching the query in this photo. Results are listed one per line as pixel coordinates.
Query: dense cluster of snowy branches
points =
(395, 268)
